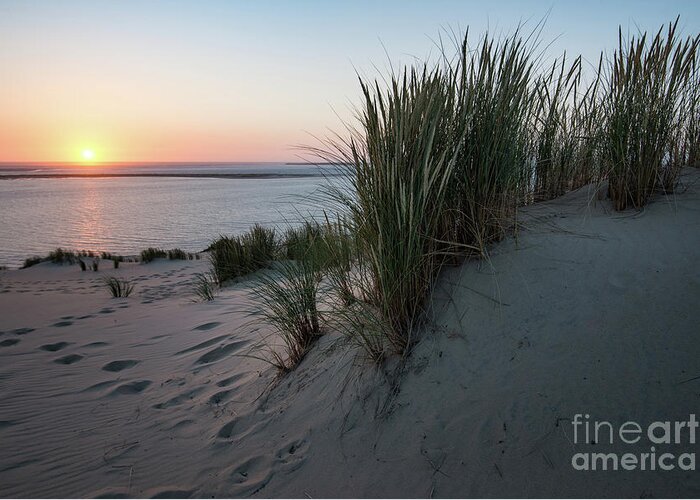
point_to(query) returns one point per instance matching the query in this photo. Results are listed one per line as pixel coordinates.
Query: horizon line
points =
(134, 163)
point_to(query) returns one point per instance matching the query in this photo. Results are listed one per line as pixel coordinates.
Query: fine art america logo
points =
(667, 445)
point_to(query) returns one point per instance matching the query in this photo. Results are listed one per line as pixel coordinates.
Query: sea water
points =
(124, 215)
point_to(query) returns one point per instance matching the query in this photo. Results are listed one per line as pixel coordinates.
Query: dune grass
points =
(205, 287)
(297, 241)
(286, 301)
(340, 261)
(442, 156)
(690, 149)
(62, 256)
(646, 81)
(31, 261)
(178, 254)
(57, 256)
(286, 296)
(262, 244)
(235, 256)
(439, 161)
(493, 93)
(566, 130)
(150, 254)
(229, 259)
(399, 164)
(118, 288)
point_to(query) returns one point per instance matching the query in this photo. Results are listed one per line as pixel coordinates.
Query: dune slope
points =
(586, 312)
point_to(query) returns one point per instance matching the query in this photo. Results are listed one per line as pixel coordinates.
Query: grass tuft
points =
(61, 256)
(399, 165)
(643, 102)
(287, 302)
(177, 254)
(150, 254)
(235, 256)
(118, 287)
(261, 243)
(205, 286)
(31, 261)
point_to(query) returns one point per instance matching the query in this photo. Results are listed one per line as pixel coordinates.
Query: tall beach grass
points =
(442, 155)
(644, 109)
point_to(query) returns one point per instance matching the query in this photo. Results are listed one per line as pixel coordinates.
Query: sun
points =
(88, 154)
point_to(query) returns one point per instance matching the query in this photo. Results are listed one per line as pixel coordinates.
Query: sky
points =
(219, 81)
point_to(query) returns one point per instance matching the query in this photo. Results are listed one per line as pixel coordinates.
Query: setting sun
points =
(88, 154)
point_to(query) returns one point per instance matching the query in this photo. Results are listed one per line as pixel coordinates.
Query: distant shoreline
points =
(8, 165)
(174, 174)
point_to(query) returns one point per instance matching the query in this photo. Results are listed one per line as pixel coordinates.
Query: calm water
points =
(126, 214)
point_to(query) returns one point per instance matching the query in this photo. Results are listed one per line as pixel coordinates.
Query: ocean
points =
(125, 208)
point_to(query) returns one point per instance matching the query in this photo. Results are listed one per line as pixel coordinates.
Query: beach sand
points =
(587, 311)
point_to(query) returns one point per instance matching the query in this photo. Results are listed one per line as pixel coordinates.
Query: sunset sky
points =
(238, 81)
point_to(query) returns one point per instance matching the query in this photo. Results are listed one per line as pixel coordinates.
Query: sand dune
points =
(587, 311)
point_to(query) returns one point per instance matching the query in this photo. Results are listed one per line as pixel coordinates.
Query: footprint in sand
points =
(68, 360)
(185, 428)
(117, 366)
(292, 454)
(132, 387)
(219, 397)
(100, 385)
(96, 344)
(22, 331)
(9, 342)
(207, 326)
(54, 347)
(202, 345)
(179, 399)
(250, 476)
(172, 493)
(221, 352)
(230, 380)
(227, 430)
(62, 324)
